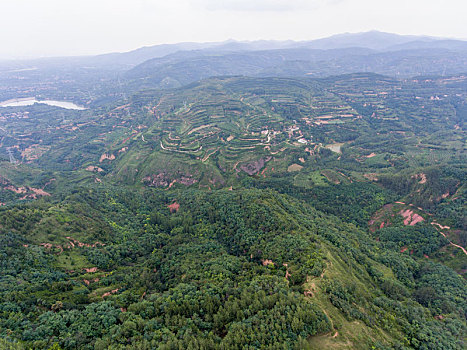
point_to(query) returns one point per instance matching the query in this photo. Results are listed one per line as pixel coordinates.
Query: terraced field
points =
(229, 125)
(215, 130)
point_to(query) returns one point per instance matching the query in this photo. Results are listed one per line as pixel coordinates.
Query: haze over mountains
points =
(174, 65)
(374, 40)
(371, 40)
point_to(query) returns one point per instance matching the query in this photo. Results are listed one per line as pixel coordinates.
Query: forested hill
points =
(222, 269)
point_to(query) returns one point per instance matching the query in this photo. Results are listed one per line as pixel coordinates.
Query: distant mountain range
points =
(174, 65)
(383, 53)
(373, 40)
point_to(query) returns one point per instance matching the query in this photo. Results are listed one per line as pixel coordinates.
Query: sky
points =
(35, 28)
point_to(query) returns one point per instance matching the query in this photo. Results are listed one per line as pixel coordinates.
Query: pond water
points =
(335, 147)
(21, 102)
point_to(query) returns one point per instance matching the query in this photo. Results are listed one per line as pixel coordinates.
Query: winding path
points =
(453, 244)
(175, 150)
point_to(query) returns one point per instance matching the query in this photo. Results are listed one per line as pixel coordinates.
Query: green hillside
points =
(221, 269)
(238, 212)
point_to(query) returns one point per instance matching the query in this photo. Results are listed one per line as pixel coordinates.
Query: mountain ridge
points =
(376, 40)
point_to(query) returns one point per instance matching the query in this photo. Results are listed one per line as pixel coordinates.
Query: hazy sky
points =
(75, 27)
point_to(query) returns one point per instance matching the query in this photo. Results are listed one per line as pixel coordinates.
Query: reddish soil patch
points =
(71, 245)
(287, 274)
(39, 192)
(110, 293)
(410, 218)
(106, 156)
(121, 107)
(416, 219)
(18, 190)
(254, 167)
(345, 176)
(421, 177)
(88, 282)
(174, 207)
(371, 176)
(379, 216)
(91, 270)
(94, 168)
(74, 242)
(27, 191)
(129, 137)
(267, 262)
(336, 182)
(164, 180)
(50, 246)
(371, 155)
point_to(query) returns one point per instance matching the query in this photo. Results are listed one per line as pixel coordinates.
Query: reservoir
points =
(29, 101)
